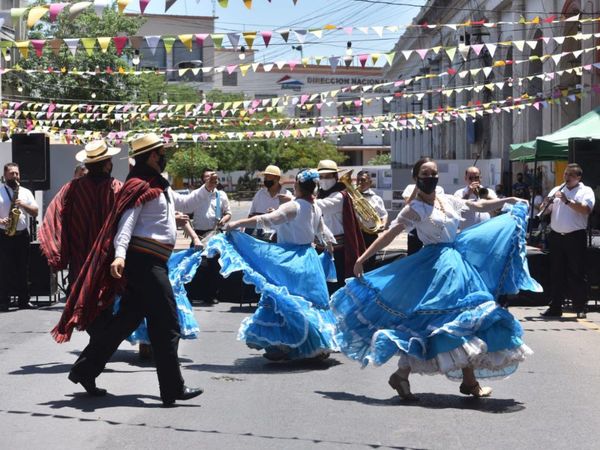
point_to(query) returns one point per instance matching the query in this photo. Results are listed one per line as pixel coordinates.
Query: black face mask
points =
(427, 185)
(269, 183)
(12, 183)
(162, 163)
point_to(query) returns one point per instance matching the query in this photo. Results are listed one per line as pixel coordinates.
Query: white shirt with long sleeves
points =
(154, 219)
(564, 218)
(262, 201)
(6, 193)
(471, 216)
(377, 203)
(204, 208)
(333, 212)
(297, 222)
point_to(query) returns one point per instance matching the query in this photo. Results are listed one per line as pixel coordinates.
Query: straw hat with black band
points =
(272, 170)
(327, 166)
(145, 143)
(96, 151)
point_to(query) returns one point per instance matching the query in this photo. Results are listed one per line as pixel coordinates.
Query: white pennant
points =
(152, 42)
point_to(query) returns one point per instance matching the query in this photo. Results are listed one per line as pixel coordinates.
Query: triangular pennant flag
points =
(375, 57)
(487, 71)
(365, 30)
(300, 35)
(152, 42)
(244, 69)
(318, 60)
(217, 40)
(255, 67)
(200, 38)
(532, 44)
(520, 45)
(17, 13)
(334, 61)
(120, 43)
(348, 30)
(559, 39)
(280, 64)
(362, 59)
(104, 43)
(168, 4)
(248, 4)
(231, 68)
(317, 32)
(35, 14)
(186, 40)
(407, 54)
(55, 10)
(234, 38)
(491, 49)
(136, 42)
(38, 45)
(249, 38)
(122, 4)
(378, 30)
(223, 3)
(285, 34)
(23, 47)
(55, 45)
(89, 44)
(78, 8)
(450, 51)
(464, 51)
(422, 52)
(477, 48)
(390, 57)
(143, 5)
(266, 35)
(100, 6)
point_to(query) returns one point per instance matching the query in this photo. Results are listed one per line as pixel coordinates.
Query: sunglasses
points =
(474, 177)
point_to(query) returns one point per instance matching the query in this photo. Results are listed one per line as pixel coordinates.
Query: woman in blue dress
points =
(293, 319)
(436, 309)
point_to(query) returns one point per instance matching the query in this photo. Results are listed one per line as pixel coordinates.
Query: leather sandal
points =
(402, 387)
(476, 390)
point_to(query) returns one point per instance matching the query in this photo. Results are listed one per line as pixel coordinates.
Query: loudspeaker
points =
(586, 153)
(42, 281)
(32, 153)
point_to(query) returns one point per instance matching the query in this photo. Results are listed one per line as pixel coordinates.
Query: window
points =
(230, 79)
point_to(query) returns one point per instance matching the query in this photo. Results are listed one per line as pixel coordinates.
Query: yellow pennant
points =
(249, 38)
(35, 14)
(122, 4)
(168, 41)
(186, 39)
(223, 3)
(89, 44)
(248, 4)
(104, 43)
(23, 47)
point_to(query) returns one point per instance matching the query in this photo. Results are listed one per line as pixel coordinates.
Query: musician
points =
(211, 211)
(473, 190)
(339, 216)
(363, 184)
(569, 206)
(14, 250)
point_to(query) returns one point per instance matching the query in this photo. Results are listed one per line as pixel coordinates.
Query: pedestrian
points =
(570, 206)
(474, 190)
(17, 206)
(340, 217)
(520, 188)
(138, 237)
(293, 319)
(211, 211)
(435, 309)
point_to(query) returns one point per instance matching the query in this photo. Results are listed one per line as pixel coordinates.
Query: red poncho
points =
(95, 289)
(73, 221)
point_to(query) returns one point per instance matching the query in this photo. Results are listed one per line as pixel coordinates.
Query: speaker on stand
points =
(32, 153)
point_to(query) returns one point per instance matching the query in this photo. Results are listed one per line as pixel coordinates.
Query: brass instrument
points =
(368, 219)
(14, 214)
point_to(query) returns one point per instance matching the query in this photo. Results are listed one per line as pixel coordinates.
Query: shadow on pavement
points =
(86, 403)
(258, 364)
(434, 401)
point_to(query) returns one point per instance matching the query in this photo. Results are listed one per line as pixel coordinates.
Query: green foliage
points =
(216, 95)
(153, 87)
(385, 159)
(188, 161)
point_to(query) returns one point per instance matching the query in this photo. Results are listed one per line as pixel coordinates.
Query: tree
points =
(385, 159)
(187, 161)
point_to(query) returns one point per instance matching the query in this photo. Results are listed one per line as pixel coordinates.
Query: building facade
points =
(489, 135)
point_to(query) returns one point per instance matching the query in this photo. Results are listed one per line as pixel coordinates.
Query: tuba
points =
(368, 219)
(14, 213)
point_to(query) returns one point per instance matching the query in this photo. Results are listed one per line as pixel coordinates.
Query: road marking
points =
(591, 325)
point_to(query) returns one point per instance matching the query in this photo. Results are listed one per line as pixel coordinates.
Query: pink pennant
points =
(477, 48)
(292, 64)
(231, 68)
(266, 35)
(223, 112)
(152, 116)
(120, 43)
(422, 52)
(143, 4)
(303, 98)
(363, 59)
(348, 30)
(200, 38)
(38, 45)
(55, 10)
(255, 103)
(207, 107)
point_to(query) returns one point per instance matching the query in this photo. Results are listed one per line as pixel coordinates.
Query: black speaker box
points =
(586, 153)
(32, 153)
(42, 281)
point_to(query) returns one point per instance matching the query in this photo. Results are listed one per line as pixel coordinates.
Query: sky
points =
(306, 14)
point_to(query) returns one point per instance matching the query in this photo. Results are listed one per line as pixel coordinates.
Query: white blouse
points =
(333, 212)
(297, 222)
(435, 224)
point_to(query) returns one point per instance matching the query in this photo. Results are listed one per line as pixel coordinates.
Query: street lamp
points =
(300, 49)
(136, 58)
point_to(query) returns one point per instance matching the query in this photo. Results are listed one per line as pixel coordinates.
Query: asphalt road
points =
(250, 403)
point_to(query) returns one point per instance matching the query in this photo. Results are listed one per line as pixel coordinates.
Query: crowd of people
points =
(309, 257)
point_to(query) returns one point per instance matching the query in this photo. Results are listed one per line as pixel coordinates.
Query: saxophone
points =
(368, 219)
(14, 214)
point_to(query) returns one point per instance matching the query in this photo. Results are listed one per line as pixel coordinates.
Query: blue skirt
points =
(436, 309)
(182, 268)
(293, 310)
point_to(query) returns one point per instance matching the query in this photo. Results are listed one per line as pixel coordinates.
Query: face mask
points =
(269, 183)
(327, 184)
(162, 163)
(427, 185)
(12, 183)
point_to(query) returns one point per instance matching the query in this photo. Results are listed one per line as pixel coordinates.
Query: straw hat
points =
(145, 143)
(96, 151)
(272, 170)
(327, 166)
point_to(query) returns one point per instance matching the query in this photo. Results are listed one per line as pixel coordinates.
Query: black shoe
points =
(551, 313)
(187, 393)
(27, 306)
(88, 385)
(581, 315)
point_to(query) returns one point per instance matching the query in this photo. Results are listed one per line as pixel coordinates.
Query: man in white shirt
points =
(267, 197)
(570, 205)
(363, 185)
(211, 211)
(145, 237)
(14, 250)
(474, 191)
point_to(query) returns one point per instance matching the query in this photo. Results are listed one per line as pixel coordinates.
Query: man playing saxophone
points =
(14, 238)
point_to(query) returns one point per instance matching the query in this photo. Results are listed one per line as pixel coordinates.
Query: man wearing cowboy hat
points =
(14, 249)
(339, 216)
(129, 258)
(268, 197)
(76, 214)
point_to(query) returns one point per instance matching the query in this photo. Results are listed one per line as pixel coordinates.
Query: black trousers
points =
(413, 243)
(148, 294)
(205, 284)
(14, 267)
(567, 265)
